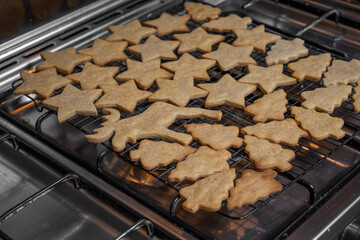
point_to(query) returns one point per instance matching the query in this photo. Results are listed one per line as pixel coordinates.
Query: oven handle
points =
(139, 224)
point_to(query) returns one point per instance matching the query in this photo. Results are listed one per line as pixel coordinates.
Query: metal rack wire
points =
(317, 151)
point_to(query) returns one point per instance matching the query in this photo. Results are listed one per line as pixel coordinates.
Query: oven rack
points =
(318, 151)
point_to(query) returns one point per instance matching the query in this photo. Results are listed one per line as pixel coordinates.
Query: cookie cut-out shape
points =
(204, 162)
(93, 76)
(326, 99)
(201, 12)
(159, 153)
(103, 52)
(227, 91)
(227, 24)
(268, 155)
(132, 32)
(43, 83)
(271, 106)
(154, 48)
(189, 66)
(178, 92)
(217, 136)
(256, 37)
(285, 132)
(167, 23)
(73, 101)
(228, 56)
(208, 193)
(356, 98)
(124, 96)
(152, 123)
(342, 72)
(318, 125)
(144, 73)
(197, 40)
(285, 51)
(310, 68)
(253, 186)
(64, 61)
(267, 78)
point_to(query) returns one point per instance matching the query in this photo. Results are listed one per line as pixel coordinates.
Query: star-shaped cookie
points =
(227, 91)
(132, 32)
(103, 52)
(43, 83)
(227, 24)
(229, 56)
(267, 78)
(189, 66)
(124, 96)
(197, 40)
(310, 68)
(285, 51)
(256, 37)
(342, 72)
(178, 92)
(167, 23)
(64, 61)
(144, 73)
(201, 12)
(73, 101)
(154, 48)
(356, 98)
(93, 76)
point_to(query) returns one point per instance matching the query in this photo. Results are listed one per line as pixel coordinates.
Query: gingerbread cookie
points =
(227, 91)
(285, 51)
(268, 155)
(204, 162)
(326, 99)
(167, 23)
(188, 66)
(201, 12)
(43, 83)
(103, 52)
(256, 37)
(159, 153)
(178, 92)
(228, 56)
(93, 76)
(197, 40)
(253, 186)
(73, 101)
(356, 98)
(152, 123)
(285, 132)
(341, 73)
(318, 125)
(154, 48)
(144, 74)
(208, 193)
(132, 32)
(267, 78)
(218, 136)
(271, 106)
(310, 68)
(64, 61)
(124, 96)
(227, 24)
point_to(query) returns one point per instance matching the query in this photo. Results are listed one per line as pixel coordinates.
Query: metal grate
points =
(309, 153)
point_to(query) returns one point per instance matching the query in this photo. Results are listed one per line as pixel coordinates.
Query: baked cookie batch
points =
(208, 165)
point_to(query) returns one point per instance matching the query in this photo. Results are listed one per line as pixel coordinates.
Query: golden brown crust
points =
(227, 24)
(318, 125)
(217, 136)
(159, 153)
(167, 23)
(341, 73)
(253, 186)
(208, 193)
(201, 12)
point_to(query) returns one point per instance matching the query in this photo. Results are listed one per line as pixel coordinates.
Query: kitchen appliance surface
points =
(112, 193)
